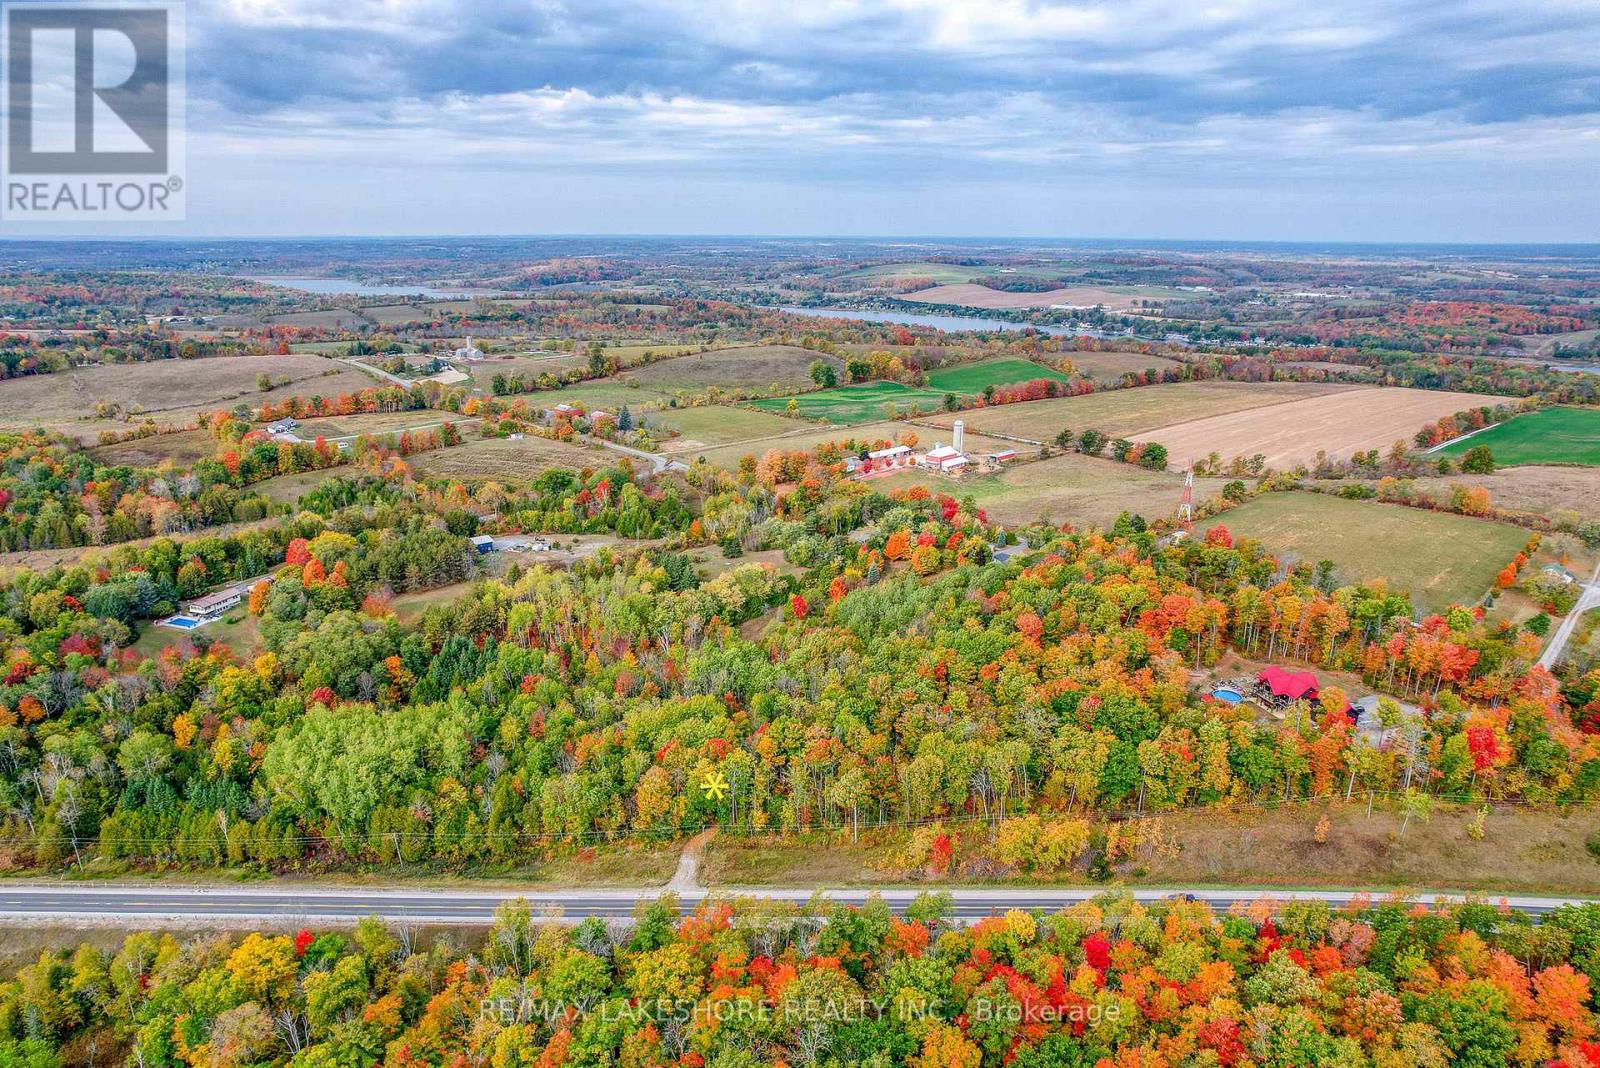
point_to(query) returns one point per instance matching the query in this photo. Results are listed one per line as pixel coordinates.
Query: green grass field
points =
(710, 425)
(862, 403)
(1553, 435)
(970, 378)
(868, 401)
(1439, 559)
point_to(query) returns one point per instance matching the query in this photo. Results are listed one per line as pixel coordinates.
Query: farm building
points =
(283, 426)
(482, 543)
(894, 456)
(469, 351)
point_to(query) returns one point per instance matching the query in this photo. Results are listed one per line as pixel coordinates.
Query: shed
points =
(483, 543)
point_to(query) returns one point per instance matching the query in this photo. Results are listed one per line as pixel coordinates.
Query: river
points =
(955, 323)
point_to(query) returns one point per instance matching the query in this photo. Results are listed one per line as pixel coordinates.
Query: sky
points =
(1360, 120)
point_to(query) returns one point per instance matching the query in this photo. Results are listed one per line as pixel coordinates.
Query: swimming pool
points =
(1228, 694)
(182, 623)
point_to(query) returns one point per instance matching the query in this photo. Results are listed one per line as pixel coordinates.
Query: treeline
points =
(1108, 982)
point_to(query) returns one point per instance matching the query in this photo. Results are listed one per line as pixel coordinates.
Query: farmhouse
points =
(283, 426)
(469, 351)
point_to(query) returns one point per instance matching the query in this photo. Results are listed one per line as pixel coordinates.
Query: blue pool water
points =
(183, 622)
(1228, 694)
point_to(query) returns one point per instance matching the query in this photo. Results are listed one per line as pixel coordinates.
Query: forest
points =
(1110, 983)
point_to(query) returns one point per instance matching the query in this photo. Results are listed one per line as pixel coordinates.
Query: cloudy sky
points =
(1445, 120)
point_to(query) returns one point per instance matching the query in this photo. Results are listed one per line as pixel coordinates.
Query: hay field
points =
(503, 459)
(1353, 421)
(971, 378)
(173, 391)
(1109, 367)
(182, 449)
(1124, 412)
(744, 367)
(1553, 435)
(704, 427)
(1547, 491)
(1113, 298)
(1439, 558)
(865, 402)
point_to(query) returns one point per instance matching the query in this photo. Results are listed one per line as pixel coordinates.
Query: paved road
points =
(380, 372)
(1590, 598)
(34, 902)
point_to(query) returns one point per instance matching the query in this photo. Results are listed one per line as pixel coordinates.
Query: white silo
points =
(960, 442)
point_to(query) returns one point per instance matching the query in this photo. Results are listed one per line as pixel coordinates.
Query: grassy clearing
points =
(348, 426)
(607, 394)
(1550, 436)
(1440, 559)
(182, 448)
(1131, 411)
(1109, 367)
(716, 425)
(971, 378)
(1546, 491)
(408, 607)
(862, 403)
(288, 489)
(750, 367)
(1520, 852)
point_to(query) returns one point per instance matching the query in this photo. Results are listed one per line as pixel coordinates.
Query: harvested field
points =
(1128, 411)
(1553, 435)
(705, 427)
(1440, 559)
(171, 391)
(335, 319)
(1113, 298)
(1083, 490)
(1345, 423)
(784, 367)
(502, 458)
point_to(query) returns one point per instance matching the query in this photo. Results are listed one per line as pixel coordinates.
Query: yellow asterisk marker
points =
(714, 787)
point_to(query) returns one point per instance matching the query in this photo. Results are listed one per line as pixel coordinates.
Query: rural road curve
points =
(658, 463)
(1590, 598)
(34, 902)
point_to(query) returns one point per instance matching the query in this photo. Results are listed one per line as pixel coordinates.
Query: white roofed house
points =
(894, 456)
(469, 351)
(944, 458)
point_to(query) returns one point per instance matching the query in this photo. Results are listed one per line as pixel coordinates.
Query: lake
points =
(965, 322)
(344, 287)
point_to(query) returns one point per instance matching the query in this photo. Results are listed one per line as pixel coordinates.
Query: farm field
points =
(712, 425)
(1109, 367)
(1553, 435)
(288, 489)
(1114, 298)
(349, 426)
(607, 394)
(971, 378)
(864, 403)
(502, 458)
(1440, 559)
(529, 367)
(1124, 412)
(1339, 425)
(171, 391)
(1547, 491)
(745, 367)
(182, 448)
(335, 319)
(1083, 490)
